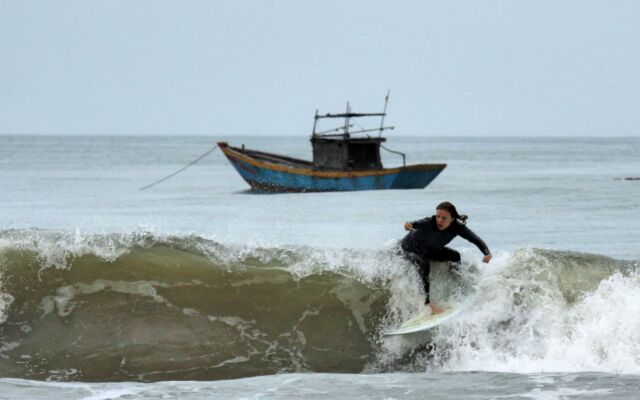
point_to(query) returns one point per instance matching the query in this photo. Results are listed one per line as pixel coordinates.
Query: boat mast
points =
(344, 129)
(384, 113)
(346, 121)
(315, 123)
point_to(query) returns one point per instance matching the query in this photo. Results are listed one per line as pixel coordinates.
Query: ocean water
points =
(199, 288)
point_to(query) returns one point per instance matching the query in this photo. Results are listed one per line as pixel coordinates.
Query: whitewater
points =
(199, 288)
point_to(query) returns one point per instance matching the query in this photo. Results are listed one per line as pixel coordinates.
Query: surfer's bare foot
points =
(435, 309)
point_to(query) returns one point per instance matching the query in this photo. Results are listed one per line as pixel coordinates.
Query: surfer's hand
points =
(487, 258)
(408, 226)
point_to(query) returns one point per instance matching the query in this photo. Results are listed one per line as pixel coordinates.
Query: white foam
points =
(55, 248)
(559, 394)
(522, 323)
(603, 329)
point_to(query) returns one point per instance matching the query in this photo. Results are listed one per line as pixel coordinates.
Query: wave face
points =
(118, 307)
(83, 307)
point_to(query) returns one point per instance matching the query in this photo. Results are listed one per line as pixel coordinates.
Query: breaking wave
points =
(144, 307)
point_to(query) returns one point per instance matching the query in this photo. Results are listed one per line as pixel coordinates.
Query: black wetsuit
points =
(426, 242)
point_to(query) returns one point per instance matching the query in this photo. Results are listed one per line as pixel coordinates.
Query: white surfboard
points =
(426, 321)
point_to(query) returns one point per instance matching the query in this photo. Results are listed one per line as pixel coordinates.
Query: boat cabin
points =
(346, 153)
(338, 149)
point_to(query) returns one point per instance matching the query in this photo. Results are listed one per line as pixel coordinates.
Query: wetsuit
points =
(426, 242)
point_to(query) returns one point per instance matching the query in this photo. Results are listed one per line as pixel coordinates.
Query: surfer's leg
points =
(423, 267)
(446, 254)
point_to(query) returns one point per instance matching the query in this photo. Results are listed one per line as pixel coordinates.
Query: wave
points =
(113, 307)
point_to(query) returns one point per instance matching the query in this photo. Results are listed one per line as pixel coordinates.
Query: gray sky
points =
(262, 67)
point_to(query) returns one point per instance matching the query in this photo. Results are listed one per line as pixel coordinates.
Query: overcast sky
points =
(224, 68)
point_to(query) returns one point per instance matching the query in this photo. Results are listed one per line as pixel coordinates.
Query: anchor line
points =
(180, 170)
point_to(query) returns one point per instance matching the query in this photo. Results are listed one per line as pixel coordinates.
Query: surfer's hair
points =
(451, 209)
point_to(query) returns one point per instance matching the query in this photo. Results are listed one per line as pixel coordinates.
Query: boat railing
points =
(351, 133)
(349, 115)
(404, 157)
(329, 132)
(345, 131)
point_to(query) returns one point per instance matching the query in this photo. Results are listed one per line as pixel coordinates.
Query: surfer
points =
(428, 237)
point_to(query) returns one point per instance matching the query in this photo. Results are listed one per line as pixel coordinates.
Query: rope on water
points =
(181, 169)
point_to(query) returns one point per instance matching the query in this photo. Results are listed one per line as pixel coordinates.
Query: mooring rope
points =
(181, 169)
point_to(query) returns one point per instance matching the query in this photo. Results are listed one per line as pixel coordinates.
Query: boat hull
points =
(280, 177)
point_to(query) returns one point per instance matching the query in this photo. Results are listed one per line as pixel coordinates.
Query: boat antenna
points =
(384, 112)
(346, 121)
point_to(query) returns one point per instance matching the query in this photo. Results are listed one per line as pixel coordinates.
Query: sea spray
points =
(537, 312)
(603, 328)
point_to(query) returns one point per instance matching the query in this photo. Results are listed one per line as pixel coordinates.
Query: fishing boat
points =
(343, 160)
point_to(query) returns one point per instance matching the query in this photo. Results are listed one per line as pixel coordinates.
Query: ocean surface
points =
(199, 288)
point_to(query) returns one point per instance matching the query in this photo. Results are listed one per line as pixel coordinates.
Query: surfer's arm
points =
(418, 224)
(468, 234)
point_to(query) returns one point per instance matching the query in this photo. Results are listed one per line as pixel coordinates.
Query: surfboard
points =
(427, 321)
